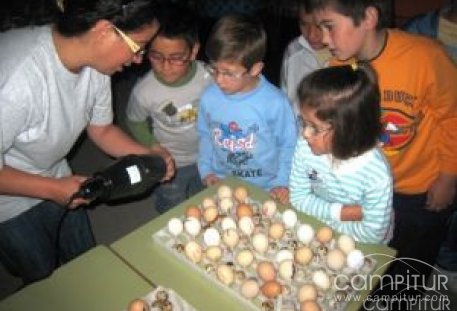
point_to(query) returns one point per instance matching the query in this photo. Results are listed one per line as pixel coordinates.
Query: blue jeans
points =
(28, 246)
(185, 184)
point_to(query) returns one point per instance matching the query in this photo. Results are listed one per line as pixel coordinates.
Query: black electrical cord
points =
(59, 228)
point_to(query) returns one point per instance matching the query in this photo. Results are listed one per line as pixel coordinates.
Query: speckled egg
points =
(266, 271)
(224, 191)
(336, 259)
(226, 205)
(244, 258)
(303, 255)
(241, 194)
(193, 251)
(324, 234)
(260, 242)
(271, 289)
(230, 237)
(289, 217)
(250, 289)
(307, 292)
(269, 208)
(193, 211)
(246, 225)
(228, 223)
(192, 226)
(175, 226)
(225, 274)
(213, 253)
(321, 279)
(276, 230)
(346, 243)
(305, 233)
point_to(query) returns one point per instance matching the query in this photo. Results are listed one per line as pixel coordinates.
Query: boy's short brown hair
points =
(237, 38)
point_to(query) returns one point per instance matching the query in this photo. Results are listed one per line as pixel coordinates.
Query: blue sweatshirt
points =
(249, 135)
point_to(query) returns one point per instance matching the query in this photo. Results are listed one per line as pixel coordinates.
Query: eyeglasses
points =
(229, 75)
(133, 46)
(177, 60)
(311, 130)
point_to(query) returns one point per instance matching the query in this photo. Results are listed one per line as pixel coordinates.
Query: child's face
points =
(317, 133)
(340, 35)
(309, 30)
(232, 77)
(170, 58)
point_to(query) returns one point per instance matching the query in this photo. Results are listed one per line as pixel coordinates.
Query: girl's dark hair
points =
(355, 9)
(74, 17)
(178, 21)
(348, 98)
(238, 38)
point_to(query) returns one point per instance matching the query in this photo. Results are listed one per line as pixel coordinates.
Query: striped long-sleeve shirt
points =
(321, 185)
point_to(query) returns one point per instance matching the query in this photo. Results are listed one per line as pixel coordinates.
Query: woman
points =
(54, 84)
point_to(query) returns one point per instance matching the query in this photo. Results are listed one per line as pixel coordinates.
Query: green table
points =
(96, 281)
(161, 267)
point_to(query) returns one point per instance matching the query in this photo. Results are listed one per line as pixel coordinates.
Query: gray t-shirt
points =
(173, 110)
(44, 108)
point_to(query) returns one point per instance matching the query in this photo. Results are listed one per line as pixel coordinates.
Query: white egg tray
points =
(177, 303)
(328, 299)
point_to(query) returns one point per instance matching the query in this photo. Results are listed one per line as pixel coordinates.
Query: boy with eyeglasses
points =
(163, 105)
(246, 125)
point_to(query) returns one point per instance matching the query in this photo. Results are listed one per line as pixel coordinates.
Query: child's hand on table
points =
(280, 194)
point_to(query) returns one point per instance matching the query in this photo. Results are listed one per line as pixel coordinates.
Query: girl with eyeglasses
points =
(55, 64)
(339, 175)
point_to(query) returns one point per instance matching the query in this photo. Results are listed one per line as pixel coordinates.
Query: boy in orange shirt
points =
(419, 101)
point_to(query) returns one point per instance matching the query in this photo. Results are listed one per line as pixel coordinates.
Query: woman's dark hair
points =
(178, 21)
(355, 9)
(74, 17)
(239, 38)
(348, 98)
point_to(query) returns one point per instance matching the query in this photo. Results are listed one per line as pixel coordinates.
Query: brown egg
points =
(303, 255)
(241, 194)
(244, 210)
(309, 305)
(266, 271)
(193, 211)
(307, 292)
(276, 230)
(271, 289)
(210, 214)
(138, 305)
(324, 235)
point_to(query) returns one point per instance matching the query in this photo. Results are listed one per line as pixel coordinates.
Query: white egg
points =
(230, 237)
(226, 205)
(224, 191)
(192, 226)
(305, 233)
(175, 226)
(246, 225)
(193, 251)
(269, 208)
(289, 217)
(321, 279)
(208, 202)
(284, 254)
(245, 258)
(211, 237)
(228, 223)
(336, 259)
(355, 259)
(286, 269)
(260, 242)
(346, 243)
